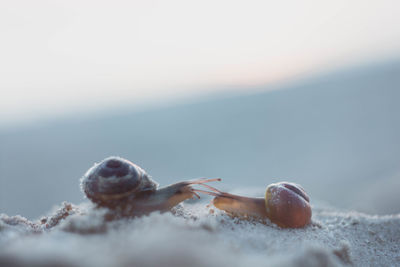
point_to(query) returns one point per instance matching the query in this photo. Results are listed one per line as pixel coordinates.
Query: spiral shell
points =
(288, 205)
(115, 178)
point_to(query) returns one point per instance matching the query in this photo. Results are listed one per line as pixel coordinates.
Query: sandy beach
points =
(115, 114)
(197, 235)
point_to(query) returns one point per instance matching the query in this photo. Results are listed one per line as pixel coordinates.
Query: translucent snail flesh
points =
(285, 204)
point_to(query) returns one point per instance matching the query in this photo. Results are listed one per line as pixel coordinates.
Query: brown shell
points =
(287, 205)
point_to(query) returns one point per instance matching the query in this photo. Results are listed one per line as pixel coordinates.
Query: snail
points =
(285, 204)
(122, 186)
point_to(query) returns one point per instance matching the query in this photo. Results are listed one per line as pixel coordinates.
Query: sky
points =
(64, 57)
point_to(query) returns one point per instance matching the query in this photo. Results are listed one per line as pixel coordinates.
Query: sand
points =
(197, 235)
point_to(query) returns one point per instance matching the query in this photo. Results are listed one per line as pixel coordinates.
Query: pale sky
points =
(70, 56)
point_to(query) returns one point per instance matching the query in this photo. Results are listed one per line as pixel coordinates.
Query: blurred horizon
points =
(143, 104)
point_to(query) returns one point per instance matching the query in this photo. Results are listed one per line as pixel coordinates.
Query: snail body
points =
(121, 185)
(285, 204)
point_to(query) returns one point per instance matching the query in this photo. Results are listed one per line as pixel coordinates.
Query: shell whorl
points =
(287, 205)
(115, 178)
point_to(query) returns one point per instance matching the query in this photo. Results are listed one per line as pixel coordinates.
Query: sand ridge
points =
(196, 235)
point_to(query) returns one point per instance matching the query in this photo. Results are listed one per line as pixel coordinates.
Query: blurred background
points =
(251, 91)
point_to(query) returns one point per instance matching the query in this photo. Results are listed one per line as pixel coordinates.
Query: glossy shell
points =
(287, 205)
(115, 178)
